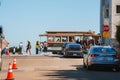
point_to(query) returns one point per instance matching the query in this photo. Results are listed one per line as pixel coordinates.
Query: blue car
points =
(102, 56)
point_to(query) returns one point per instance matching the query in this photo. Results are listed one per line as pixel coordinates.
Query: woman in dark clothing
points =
(28, 49)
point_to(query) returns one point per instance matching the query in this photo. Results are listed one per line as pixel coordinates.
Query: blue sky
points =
(24, 20)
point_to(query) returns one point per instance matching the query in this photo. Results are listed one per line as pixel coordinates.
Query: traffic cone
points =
(14, 66)
(10, 74)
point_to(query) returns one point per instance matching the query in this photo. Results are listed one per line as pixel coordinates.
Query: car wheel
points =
(116, 69)
(84, 64)
(88, 67)
(54, 52)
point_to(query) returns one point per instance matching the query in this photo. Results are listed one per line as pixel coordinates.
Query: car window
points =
(66, 44)
(104, 50)
(74, 46)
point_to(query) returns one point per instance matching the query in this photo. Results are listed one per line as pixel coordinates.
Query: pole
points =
(1, 38)
(1, 54)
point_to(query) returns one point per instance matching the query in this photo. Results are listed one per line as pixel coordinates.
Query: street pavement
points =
(53, 67)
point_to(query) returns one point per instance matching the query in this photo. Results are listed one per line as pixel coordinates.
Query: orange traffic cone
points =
(10, 74)
(14, 66)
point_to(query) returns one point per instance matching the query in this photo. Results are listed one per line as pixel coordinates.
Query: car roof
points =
(73, 44)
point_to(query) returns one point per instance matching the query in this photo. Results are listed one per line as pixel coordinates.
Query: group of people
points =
(28, 48)
(39, 47)
(42, 46)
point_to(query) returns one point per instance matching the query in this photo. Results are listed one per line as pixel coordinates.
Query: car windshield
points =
(74, 47)
(104, 50)
(66, 44)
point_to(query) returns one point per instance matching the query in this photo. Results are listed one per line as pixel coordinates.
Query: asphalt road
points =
(54, 67)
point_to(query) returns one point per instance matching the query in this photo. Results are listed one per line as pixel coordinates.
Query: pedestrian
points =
(28, 49)
(37, 46)
(20, 47)
(14, 50)
(7, 51)
(45, 47)
(4, 51)
(41, 47)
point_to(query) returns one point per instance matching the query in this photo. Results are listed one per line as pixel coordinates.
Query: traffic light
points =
(1, 30)
(106, 28)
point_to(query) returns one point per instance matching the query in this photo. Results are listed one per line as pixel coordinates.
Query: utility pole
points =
(1, 42)
(0, 53)
(0, 48)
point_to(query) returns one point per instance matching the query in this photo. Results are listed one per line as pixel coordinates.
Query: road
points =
(53, 67)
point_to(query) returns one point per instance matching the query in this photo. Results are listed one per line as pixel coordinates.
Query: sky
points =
(24, 20)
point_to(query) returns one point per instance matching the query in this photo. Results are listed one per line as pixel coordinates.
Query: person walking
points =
(28, 49)
(41, 47)
(37, 47)
(14, 50)
(45, 47)
(20, 47)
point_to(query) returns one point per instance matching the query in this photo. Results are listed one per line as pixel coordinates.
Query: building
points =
(4, 43)
(109, 19)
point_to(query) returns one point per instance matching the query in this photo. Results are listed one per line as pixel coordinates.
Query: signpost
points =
(106, 28)
(106, 33)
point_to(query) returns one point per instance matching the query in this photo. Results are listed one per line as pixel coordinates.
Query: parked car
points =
(73, 49)
(101, 56)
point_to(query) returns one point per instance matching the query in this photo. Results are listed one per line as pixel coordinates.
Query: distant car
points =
(101, 56)
(64, 45)
(73, 50)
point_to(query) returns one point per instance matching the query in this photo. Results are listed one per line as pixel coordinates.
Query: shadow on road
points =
(82, 74)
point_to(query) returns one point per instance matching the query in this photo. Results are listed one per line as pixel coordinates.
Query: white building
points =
(110, 17)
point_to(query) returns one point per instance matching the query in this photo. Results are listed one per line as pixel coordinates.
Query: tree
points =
(118, 34)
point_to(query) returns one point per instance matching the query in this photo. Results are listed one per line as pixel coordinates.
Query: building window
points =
(106, 13)
(118, 8)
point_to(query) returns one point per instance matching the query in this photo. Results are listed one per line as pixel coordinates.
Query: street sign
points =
(105, 28)
(106, 34)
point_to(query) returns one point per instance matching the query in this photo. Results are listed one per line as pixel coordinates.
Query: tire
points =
(54, 52)
(116, 69)
(84, 66)
(88, 67)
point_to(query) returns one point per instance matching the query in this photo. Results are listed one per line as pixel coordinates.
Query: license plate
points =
(74, 54)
